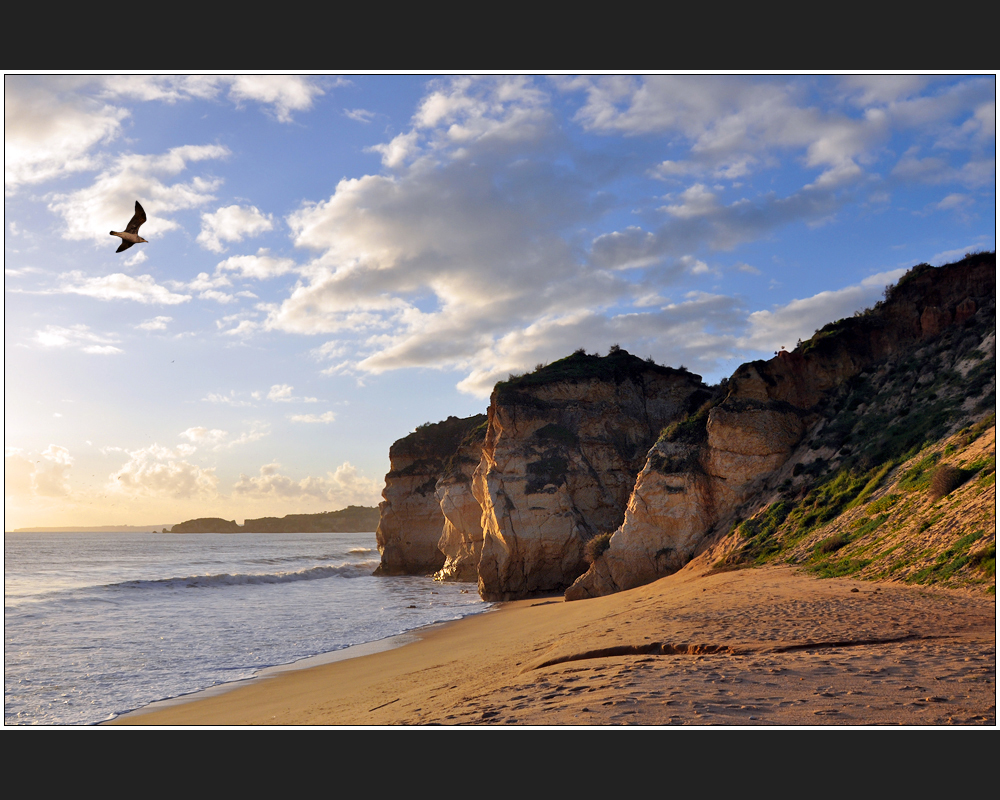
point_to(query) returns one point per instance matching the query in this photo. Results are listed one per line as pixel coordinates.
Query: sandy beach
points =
(768, 646)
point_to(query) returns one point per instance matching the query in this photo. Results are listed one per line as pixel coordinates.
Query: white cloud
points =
(282, 94)
(261, 266)
(399, 150)
(326, 417)
(359, 114)
(142, 289)
(161, 471)
(696, 201)
(340, 488)
(108, 203)
(78, 337)
(280, 393)
(955, 200)
(51, 130)
(257, 431)
(228, 399)
(155, 324)
(232, 224)
(733, 125)
(439, 264)
(204, 436)
(44, 474)
(243, 328)
(784, 325)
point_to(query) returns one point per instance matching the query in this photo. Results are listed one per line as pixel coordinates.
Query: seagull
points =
(131, 236)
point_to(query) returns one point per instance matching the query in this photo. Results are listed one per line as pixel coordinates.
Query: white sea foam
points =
(361, 570)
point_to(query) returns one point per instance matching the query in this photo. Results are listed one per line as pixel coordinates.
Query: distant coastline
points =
(93, 529)
(353, 519)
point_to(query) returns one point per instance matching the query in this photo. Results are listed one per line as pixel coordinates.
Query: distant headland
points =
(353, 519)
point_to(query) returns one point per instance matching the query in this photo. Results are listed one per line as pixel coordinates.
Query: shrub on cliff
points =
(596, 547)
(945, 480)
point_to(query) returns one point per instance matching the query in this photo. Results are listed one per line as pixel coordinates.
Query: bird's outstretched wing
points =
(137, 219)
(124, 245)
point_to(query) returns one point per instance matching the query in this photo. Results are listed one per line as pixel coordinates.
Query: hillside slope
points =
(790, 444)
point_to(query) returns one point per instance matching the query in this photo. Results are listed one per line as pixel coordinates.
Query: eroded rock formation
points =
(588, 446)
(702, 471)
(559, 461)
(411, 521)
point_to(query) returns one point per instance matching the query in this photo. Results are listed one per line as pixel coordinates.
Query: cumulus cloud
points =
(341, 488)
(260, 267)
(280, 94)
(51, 130)
(474, 238)
(162, 471)
(473, 242)
(282, 393)
(107, 204)
(141, 289)
(78, 337)
(733, 125)
(53, 125)
(232, 224)
(44, 476)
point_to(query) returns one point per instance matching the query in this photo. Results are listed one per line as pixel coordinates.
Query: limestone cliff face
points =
(924, 302)
(562, 449)
(692, 479)
(699, 474)
(461, 540)
(411, 522)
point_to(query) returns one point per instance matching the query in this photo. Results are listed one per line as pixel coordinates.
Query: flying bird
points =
(130, 235)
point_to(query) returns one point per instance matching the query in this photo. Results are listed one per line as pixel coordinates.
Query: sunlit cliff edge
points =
(868, 450)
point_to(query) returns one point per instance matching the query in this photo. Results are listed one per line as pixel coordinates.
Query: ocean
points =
(99, 624)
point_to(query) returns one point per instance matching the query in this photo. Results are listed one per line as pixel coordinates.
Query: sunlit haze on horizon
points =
(334, 260)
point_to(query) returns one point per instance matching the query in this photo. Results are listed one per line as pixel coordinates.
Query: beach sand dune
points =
(767, 646)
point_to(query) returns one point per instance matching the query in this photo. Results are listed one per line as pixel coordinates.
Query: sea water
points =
(98, 624)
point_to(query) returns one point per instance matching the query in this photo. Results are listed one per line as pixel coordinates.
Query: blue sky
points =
(334, 260)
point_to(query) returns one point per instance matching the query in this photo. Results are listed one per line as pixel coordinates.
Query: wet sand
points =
(770, 646)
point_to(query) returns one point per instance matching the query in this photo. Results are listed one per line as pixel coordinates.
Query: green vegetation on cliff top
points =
(893, 491)
(618, 365)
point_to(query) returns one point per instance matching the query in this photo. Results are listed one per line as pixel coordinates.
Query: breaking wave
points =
(361, 570)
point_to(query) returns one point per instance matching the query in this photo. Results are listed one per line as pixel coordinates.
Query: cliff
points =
(601, 474)
(562, 447)
(850, 407)
(411, 522)
(353, 519)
